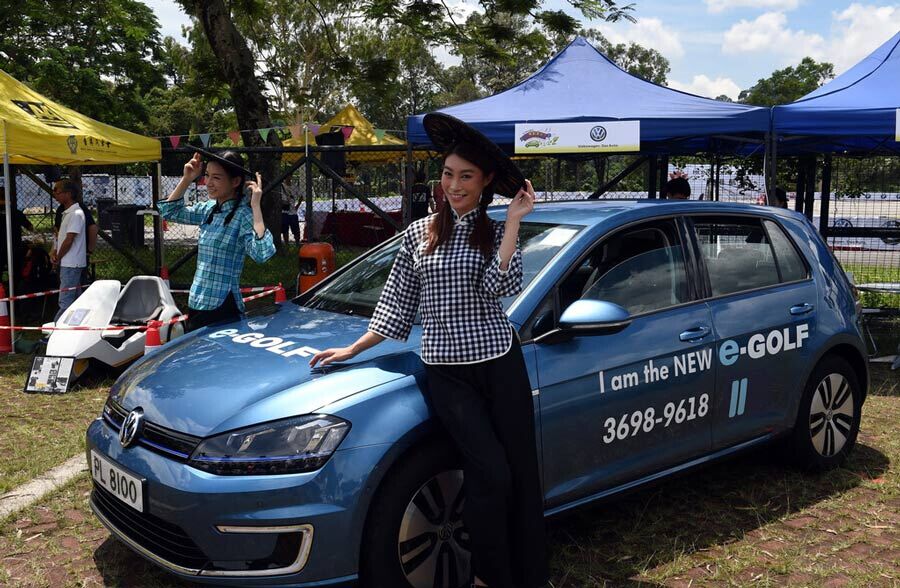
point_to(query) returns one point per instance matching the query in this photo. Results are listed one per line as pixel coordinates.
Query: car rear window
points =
(790, 264)
(737, 253)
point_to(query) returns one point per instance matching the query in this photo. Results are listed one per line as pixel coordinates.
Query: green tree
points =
(636, 59)
(788, 84)
(396, 74)
(99, 58)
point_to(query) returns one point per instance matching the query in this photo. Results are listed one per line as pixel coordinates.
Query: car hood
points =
(257, 369)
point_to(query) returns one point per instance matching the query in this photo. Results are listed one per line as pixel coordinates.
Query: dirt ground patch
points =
(746, 522)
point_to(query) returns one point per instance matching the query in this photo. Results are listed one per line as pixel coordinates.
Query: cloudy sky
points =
(721, 46)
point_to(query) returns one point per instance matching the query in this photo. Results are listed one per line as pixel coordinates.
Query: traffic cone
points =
(280, 295)
(164, 274)
(151, 339)
(5, 334)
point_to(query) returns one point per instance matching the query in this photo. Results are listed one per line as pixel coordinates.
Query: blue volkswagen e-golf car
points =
(658, 336)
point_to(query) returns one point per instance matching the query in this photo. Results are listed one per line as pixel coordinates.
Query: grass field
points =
(749, 521)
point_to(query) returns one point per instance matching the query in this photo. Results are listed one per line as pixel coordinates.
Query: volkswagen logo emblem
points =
(131, 428)
(598, 133)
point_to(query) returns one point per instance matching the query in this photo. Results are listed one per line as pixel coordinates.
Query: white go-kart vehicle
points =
(106, 303)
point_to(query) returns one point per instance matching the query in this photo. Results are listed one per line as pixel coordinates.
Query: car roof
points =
(593, 212)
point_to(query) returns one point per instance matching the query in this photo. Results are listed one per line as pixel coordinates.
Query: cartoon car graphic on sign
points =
(658, 335)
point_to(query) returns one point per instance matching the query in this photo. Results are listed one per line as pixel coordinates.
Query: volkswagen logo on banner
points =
(131, 428)
(598, 133)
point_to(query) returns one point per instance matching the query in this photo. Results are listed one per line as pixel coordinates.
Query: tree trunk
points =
(250, 104)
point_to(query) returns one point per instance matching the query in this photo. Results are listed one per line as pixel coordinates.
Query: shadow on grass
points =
(120, 566)
(611, 543)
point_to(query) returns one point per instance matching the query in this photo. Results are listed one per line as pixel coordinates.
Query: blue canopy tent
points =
(580, 84)
(855, 112)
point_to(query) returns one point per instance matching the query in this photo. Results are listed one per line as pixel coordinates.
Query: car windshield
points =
(356, 291)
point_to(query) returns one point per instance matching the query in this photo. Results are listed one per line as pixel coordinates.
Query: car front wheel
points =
(415, 537)
(829, 415)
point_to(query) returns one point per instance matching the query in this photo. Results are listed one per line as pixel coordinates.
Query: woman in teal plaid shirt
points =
(229, 230)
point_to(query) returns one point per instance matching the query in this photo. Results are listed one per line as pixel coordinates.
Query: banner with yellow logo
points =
(37, 130)
(581, 137)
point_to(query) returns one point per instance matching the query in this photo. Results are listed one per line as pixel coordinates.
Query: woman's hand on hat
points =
(522, 203)
(193, 168)
(255, 190)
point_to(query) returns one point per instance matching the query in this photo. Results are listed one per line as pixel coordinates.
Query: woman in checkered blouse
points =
(454, 267)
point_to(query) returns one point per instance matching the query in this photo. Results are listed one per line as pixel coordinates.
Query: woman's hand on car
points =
(335, 354)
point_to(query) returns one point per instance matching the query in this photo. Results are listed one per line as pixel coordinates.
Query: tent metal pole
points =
(652, 169)
(663, 173)
(826, 196)
(9, 244)
(809, 200)
(155, 196)
(771, 172)
(801, 186)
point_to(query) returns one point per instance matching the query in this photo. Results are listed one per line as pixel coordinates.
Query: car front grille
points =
(157, 536)
(178, 446)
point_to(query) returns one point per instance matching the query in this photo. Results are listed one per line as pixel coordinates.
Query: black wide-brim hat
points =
(446, 131)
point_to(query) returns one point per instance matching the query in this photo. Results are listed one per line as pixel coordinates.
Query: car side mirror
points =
(594, 317)
(588, 317)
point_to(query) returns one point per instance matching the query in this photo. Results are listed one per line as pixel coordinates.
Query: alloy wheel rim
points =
(831, 415)
(433, 544)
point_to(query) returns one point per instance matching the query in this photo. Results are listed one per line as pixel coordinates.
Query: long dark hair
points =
(232, 171)
(441, 227)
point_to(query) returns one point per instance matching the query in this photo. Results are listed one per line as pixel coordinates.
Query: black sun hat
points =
(446, 131)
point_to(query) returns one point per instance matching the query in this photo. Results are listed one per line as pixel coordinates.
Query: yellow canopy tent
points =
(37, 130)
(363, 135)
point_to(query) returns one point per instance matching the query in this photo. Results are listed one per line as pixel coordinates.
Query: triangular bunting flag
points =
(296, 131)
(235, 136)
(204, 138)
(175, 140)
(379, 134)
(264, 133)
(347, 132)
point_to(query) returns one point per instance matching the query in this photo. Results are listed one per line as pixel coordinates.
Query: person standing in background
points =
(70, 245)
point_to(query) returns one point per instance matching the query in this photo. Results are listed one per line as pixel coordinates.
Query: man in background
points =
(70, 245)
(678, 189)
(91, 228)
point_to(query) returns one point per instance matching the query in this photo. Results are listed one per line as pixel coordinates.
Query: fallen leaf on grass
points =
(33, 537)
(877, 480)
(832, 531)
(877, 526)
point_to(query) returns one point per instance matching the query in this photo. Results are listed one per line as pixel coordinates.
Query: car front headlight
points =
(289, 446)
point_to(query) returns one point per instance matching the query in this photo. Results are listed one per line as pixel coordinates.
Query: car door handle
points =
(694, 334)
(802, 308)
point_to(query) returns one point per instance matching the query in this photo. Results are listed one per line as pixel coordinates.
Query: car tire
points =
(829, 415)
(414, 536)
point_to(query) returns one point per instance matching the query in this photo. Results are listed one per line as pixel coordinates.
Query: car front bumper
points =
(295, 530)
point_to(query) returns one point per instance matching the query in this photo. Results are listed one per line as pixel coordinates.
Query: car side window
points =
(737, 254)
(789, 261)
(640, 268)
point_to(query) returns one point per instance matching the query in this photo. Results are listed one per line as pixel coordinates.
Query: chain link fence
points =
(121, 236)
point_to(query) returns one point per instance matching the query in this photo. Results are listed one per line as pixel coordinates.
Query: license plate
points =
(126, 487)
